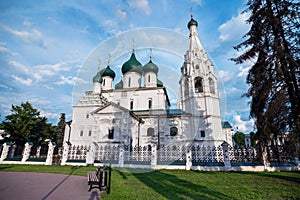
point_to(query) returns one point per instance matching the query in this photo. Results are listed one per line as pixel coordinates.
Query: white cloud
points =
(3, 49)
(141, 5)
(33, 36)
(27, 82)
(242, 125)
(234, 28)
(70, 80)
(40, 72)
(122, 14)
(243, 71)
(224, 75)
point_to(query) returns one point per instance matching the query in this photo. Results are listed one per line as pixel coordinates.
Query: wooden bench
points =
(100, 178)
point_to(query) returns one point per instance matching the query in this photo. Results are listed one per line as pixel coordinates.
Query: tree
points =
(239, 138)
(60, 130)
(274, 78)
(26, 125)
(253, 139)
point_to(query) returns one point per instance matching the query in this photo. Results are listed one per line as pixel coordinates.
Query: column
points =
(188, 164)
(66, 147)
(121, 155)
(227, 164)
(5, 151)
(153, 156)
(51, 147)
(26, 152)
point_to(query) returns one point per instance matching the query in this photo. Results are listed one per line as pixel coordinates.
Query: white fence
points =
(185, 156)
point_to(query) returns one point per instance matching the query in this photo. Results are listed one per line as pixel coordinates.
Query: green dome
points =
(98, 78)
(108, 72)
(192, 22)
(159, 83)
(119, 85)
(150, 67)
(132, 65)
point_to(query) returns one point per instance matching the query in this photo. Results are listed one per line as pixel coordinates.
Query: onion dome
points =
(119, 85)
(150, 67)
(98, 78)
(108, 72)
(192, 22)
(159, 83)
(132, 65)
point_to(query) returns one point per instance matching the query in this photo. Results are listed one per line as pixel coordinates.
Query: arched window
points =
(150, 131)
(173, 131)
(90, 133)
(129, 81)
(149, 78)
(211, 86)
(131, 104)
(104, 82)
(198, 84)
(111, 133)
(150, 104)
(81, 133)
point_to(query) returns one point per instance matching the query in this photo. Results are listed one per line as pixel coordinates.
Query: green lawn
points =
(180, 184)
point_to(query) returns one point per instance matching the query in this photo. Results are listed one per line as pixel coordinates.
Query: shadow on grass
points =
(5, 167)
(286, 176)
(172, 187)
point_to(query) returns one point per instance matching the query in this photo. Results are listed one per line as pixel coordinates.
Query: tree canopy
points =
(25, 124)
(239, 139)
(273, 45)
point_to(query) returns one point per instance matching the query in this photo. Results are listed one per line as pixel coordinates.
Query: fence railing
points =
(183, 156)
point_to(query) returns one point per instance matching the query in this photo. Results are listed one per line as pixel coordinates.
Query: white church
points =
(136, 111)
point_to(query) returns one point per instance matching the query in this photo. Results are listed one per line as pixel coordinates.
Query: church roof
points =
(192, 22)
(132, 65)
(159, 83)
(119, 85)
(150, 67)
(226, 124)
(97, 78)
(119, 107)
(108, 72)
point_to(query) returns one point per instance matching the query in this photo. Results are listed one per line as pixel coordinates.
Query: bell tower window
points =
(131, 104)
(129, 82)
(111, 133)
(198, 84)
(211, 86)
(150, 104)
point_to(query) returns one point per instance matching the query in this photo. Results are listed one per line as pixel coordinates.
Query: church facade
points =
(136, 111)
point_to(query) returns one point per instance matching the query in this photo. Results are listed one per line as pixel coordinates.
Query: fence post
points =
(227, 164)
(66, 147)
(189, 159)
(121, 155)
(153, 156)
(26, 152)
(5, 151)
(90, 155)
(51, 147)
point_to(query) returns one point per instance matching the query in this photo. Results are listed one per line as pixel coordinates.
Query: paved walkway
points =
(43, 186)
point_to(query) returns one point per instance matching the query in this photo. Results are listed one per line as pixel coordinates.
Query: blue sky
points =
(45, 45)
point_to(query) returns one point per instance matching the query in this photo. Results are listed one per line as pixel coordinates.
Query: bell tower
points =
(198, 90)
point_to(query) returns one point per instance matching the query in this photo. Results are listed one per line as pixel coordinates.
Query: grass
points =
(180, 184)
